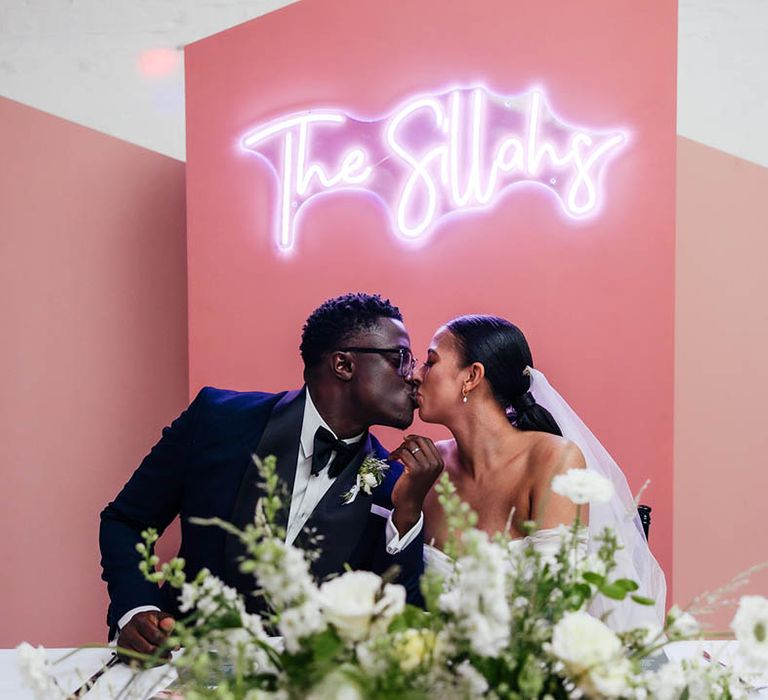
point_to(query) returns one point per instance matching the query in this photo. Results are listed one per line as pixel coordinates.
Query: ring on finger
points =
(415, 450)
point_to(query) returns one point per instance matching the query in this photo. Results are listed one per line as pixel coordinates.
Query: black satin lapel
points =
(340, 524)
(280, 438)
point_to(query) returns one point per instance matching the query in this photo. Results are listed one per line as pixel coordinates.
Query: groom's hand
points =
(423, 465)
(145, 632)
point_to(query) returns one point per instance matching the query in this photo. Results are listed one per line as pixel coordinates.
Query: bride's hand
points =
(423, 464)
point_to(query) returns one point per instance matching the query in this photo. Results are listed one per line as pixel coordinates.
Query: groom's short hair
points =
(338, 319)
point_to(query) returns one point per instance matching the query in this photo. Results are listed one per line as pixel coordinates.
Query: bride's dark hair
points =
(503, 350)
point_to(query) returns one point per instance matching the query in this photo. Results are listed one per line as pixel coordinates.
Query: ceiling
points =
(117, 65)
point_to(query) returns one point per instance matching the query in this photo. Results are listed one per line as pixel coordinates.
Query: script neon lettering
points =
(434, 156)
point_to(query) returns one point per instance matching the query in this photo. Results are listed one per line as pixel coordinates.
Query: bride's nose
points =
(417, 376)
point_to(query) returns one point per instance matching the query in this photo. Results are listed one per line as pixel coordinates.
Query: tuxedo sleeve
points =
(410, 557)
(151, 498)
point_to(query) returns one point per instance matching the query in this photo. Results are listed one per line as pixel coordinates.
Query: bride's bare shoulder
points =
(552, 454)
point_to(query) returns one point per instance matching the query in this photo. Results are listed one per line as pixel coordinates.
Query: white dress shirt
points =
(309, 490)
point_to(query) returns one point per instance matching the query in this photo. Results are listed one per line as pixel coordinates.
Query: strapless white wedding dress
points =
(618, 615)
(546, 543)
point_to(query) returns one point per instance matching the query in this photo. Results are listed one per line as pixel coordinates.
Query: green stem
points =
(218, 522)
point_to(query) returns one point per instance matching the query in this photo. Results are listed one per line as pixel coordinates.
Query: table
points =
(73, 669)
(76, 668)
(719, 650)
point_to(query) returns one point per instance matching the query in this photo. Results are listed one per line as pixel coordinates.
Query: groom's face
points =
(383, 394)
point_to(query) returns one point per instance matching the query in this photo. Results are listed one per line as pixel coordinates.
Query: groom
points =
(357, 373)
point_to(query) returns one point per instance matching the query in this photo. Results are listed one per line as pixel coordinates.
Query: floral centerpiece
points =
(503, 620)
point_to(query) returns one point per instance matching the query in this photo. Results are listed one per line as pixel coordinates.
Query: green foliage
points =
(530, 680)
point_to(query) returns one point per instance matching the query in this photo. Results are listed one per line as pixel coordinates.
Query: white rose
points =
(610, 680)
(583, 486)
(369, 482)
(355, 600)
(582, 642)
(336, 686)
(750, 625)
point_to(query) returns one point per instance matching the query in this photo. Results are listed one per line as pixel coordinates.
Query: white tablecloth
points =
(721, 651)
(73, 671)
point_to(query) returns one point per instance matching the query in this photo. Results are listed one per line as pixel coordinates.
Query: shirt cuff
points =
(395, 543)
(125, 619)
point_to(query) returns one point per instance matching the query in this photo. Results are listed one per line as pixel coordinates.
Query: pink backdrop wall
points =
(93, 299)
(595, 298)
(721, 378)
(93, 360)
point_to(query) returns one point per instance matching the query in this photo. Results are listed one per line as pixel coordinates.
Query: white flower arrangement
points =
(503, 622)
(369, 476)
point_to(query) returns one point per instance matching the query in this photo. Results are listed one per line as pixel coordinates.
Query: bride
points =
(512, 433)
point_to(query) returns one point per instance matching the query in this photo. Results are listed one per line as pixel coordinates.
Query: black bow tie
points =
(324, 445)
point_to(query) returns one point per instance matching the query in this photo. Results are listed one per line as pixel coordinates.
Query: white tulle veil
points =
(634, 560)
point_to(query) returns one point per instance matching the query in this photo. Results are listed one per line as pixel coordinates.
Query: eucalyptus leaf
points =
(611, 590)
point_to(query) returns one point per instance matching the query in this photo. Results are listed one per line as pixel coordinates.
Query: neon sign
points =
(434, 156)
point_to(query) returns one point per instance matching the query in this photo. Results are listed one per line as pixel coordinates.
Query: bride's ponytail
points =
(526, 414)
(503, 351)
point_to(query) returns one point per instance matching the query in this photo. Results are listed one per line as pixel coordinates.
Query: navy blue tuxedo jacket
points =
(202, 466)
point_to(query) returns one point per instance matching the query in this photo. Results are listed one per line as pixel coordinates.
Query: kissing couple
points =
(512, 433)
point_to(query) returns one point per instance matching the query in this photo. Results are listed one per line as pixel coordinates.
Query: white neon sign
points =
(434, 156)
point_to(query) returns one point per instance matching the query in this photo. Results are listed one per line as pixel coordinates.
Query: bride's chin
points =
(425, 418)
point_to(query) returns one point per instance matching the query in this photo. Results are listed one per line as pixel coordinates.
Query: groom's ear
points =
(476, 374)
(342, 365)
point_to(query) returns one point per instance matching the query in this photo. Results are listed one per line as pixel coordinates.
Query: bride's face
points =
(440, 379)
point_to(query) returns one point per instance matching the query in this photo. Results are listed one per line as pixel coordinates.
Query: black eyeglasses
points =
(407, 360)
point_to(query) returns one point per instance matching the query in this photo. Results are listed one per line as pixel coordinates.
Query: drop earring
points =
(464, 395)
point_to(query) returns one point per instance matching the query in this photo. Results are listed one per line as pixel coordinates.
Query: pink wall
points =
(595, 298)
(721, 381)
(93, 358)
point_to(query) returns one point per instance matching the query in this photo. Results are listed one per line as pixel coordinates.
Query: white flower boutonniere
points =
(369, 476)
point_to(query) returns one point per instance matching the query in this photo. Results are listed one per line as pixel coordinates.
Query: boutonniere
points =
(369, 476)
